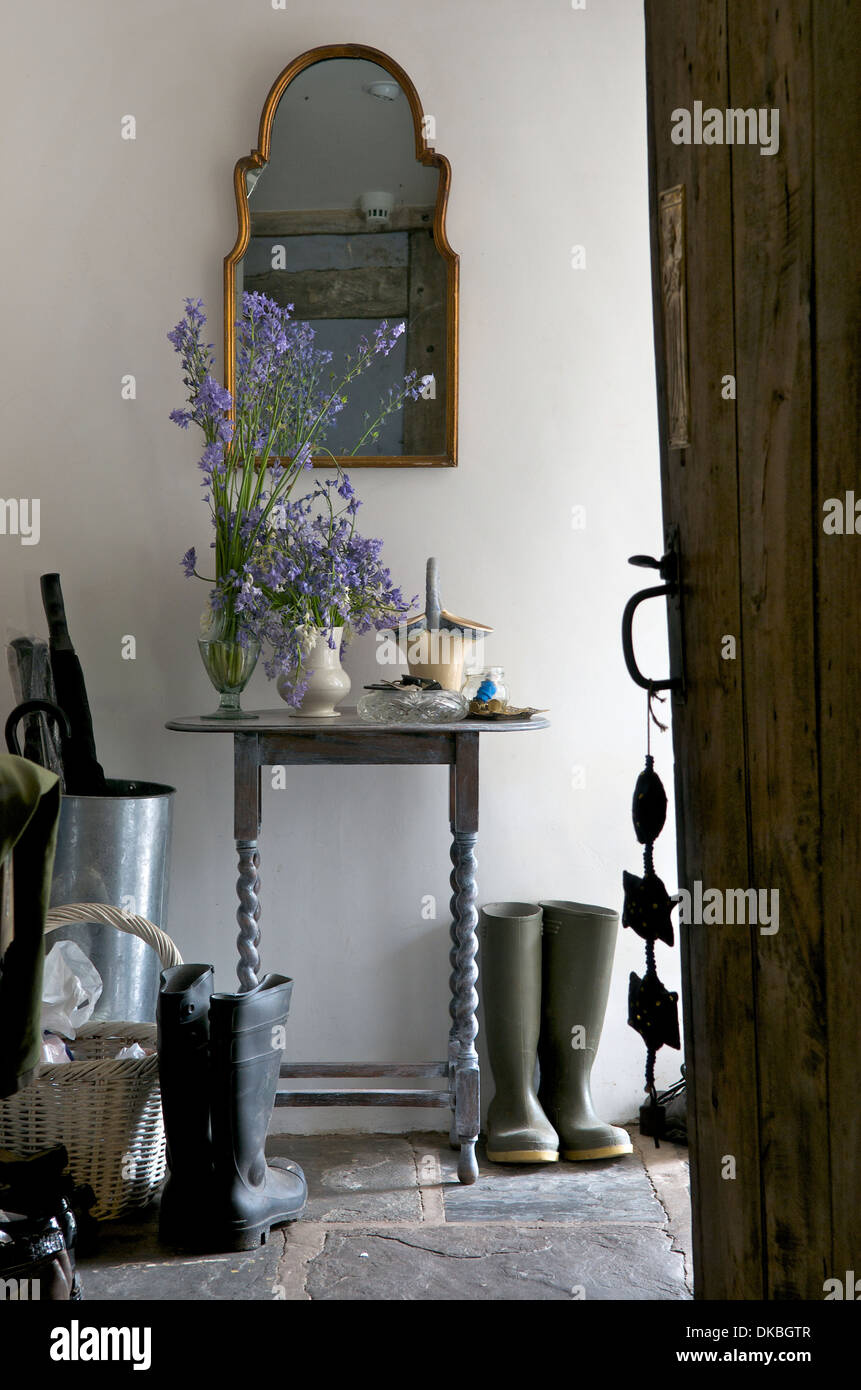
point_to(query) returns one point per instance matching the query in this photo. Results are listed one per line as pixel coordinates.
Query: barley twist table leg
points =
(453, 1035)
(465, 1002)
(248, 913)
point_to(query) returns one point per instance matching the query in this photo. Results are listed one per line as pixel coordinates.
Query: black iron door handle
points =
(669, 568)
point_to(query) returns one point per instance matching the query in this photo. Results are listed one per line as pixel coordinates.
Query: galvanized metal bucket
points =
(115, 849)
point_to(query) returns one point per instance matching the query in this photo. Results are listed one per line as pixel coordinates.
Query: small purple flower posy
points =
(313, 571)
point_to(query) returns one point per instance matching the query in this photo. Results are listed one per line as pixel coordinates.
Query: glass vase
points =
(229, 664)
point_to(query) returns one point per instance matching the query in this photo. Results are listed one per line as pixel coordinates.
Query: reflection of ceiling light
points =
(251, 177)
(377, 207)
(386, 91)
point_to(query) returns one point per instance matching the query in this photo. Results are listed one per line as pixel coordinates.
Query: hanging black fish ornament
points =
(650, 804)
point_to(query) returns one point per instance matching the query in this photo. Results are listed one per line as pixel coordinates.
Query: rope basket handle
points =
(114, 917)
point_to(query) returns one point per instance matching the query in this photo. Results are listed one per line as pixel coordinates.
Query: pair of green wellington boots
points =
(545, 970)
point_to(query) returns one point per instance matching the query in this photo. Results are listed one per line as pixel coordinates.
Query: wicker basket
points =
(106, 1112)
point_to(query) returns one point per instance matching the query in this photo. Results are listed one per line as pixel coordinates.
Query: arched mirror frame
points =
(425, 154)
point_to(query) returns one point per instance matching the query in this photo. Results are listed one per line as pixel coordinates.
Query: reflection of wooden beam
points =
(366, 292)
(424, 420)
(309, 222)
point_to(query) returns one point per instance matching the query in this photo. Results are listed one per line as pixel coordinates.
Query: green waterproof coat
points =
(29, 815)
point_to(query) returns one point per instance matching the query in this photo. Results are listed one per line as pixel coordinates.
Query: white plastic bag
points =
(71, 986)
(54, 1050)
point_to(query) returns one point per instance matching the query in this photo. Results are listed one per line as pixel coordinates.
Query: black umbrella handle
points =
(82, 771)
(31, 707)
(55, 612)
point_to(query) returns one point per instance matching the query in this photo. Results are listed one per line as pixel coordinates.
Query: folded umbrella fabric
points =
(31, 679)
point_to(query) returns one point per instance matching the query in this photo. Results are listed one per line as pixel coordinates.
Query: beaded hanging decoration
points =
(652, 1009)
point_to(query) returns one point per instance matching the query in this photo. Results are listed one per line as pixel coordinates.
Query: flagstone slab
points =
(490, 1263)
(603, 1191)
(355, 1177)
(249, 1277)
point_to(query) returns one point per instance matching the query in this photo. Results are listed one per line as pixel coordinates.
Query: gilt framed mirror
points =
(341, 214)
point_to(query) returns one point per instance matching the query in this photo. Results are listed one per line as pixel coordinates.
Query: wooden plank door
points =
(759, 416)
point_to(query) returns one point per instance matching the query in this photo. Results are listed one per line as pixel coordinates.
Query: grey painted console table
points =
(276, 738)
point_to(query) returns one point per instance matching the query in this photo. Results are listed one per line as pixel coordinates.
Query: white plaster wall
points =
(541, 110)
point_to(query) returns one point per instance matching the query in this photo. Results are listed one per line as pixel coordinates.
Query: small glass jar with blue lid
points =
(486, 685)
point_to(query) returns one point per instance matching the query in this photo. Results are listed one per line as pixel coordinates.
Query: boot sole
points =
(611, 1151)
(253, 1237)
(236, 1239)
(524, 1156)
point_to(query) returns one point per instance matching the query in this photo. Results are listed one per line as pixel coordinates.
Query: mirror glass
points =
(341, 226)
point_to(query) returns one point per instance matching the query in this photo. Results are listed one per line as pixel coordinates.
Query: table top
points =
(277, 721)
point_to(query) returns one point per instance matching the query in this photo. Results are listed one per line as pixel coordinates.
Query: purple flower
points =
(189, 562)
(212, 457)
(385, 338)
(212, 397)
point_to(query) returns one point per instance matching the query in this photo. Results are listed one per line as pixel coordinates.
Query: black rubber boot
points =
(183, 1064)
(246, 1043)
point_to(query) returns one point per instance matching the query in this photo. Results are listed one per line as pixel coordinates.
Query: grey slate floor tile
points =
(131, 1265)
(355, 1177)
(612, 1190)
(479, 1264)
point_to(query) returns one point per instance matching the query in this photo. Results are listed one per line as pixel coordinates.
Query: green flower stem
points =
(390, 408)
(227, 663)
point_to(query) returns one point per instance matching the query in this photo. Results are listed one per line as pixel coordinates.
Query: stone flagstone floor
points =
(387, 1220)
